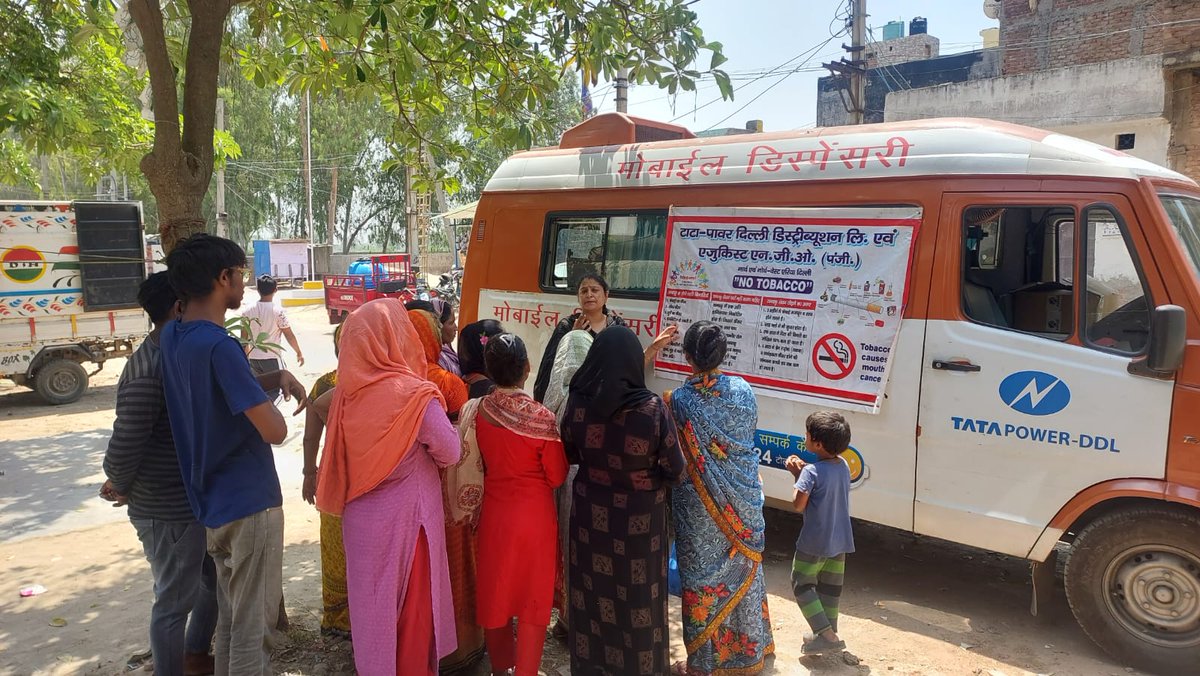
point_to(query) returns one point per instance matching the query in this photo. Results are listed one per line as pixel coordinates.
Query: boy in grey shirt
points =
(143, 472)
(822, 493)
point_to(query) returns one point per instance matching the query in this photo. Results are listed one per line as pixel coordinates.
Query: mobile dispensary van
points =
(69, 277)
(1009, 318)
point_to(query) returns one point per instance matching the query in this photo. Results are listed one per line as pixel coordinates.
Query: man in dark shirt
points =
(224, 425)
(143, 472)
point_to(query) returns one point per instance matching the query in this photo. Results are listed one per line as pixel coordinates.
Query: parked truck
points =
(69, 276)
(370, 277)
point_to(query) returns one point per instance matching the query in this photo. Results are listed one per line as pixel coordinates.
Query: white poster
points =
(810, 299)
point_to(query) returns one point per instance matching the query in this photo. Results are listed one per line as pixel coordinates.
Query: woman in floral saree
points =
(718, 516)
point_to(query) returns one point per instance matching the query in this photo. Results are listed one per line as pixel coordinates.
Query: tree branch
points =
(369, 216)
(200, 84)
(148, 17)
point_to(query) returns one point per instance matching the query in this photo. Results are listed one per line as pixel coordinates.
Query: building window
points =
(1126, 141)
(627, 249)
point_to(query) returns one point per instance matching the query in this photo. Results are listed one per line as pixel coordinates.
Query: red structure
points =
(380, 276)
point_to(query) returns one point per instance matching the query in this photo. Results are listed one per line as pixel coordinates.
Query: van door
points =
(1026, 393)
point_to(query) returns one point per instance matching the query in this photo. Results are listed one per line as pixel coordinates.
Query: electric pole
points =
(222, 217)
(306, 129)
(622, 87)
(411, 221)
(855, 68)
(858, 77)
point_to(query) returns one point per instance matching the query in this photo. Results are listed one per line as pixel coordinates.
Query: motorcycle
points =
(449, 286)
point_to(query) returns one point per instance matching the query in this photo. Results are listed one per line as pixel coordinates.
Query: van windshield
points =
(1185, 216)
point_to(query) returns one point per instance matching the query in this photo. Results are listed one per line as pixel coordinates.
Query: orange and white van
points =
(1045, 382)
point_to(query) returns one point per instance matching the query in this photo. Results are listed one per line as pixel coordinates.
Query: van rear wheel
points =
(61, 381)
(1133, 582)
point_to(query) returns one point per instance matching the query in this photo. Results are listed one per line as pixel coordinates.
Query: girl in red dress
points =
(518, 528)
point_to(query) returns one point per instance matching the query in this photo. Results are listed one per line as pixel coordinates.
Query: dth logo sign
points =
(1035, 393)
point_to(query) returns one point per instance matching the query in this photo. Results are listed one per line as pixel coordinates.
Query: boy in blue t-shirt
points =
(223, 425)
(822, 493)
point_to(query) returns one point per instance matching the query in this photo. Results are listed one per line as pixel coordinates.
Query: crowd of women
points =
(457, 510)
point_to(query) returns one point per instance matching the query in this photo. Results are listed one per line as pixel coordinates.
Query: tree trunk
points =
(347, 241)
(180, 163)
(331, 223)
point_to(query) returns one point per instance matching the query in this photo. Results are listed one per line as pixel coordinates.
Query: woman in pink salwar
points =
(387, 436)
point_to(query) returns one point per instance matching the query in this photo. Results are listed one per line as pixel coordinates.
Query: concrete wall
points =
(1152, 136)
(1111, 91)
(1061, 33)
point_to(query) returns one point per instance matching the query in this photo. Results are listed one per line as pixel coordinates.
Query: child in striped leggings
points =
(822, 493)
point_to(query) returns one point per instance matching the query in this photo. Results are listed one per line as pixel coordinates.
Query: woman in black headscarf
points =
(622, 437)
(471, 341)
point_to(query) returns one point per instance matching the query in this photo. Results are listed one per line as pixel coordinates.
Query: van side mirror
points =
(1168, 338)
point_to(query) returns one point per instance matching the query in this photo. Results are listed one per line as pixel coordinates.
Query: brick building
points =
(1122, 73)
(1042, 35)
(916, 47)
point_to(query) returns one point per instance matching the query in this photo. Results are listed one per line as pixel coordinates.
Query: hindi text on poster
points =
(801, 295)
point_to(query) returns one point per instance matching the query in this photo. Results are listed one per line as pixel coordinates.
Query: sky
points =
(772, 45)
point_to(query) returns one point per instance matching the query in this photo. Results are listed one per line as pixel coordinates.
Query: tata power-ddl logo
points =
(1035, 394)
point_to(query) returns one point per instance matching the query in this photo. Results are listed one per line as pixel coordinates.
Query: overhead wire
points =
(806, 53)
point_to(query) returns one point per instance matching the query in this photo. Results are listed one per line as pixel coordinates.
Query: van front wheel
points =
(1133, 582)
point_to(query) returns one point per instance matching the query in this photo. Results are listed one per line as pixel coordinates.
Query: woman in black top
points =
(593, 315)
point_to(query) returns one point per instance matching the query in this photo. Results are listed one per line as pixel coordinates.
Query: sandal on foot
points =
(820, 644)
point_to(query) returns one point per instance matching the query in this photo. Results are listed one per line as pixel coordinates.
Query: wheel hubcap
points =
(62, 383)
(1155, 593)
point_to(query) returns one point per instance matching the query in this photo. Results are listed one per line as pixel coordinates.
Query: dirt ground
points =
(911, 605)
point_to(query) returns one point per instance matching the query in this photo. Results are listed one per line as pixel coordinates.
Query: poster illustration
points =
(810, 299)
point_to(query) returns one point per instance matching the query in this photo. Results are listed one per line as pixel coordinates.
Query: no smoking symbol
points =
(834, 356)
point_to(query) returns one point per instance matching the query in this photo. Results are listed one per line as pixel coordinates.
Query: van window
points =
(1026, 282)
(1117, 314)
(1185, 216)
(627, 249)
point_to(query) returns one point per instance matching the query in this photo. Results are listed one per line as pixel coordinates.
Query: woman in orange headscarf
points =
(461, 542)
(387, 436)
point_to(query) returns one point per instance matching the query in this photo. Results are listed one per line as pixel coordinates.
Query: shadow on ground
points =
(51, 483)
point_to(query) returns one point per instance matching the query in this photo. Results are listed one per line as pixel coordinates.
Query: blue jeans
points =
(185, 582)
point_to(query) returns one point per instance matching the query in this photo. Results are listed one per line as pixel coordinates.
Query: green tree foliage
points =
(445, 73)
(65, 89)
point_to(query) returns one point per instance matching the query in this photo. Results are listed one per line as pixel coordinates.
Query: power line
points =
(808, 52)
(760, 95)
(1084, 36)
(901, 82)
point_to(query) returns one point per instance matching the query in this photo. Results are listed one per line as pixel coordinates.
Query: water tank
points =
(362, 266)
(918, 26)
(894, 30)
